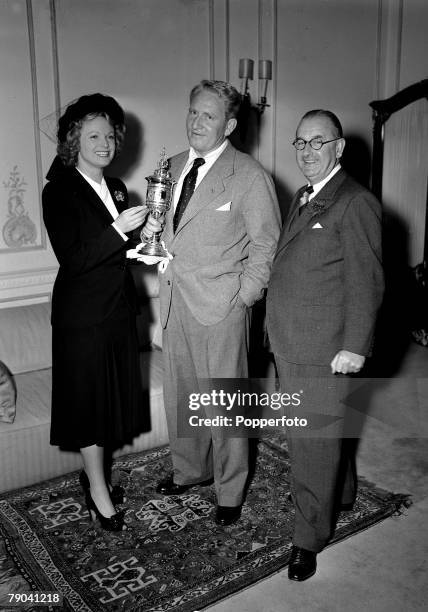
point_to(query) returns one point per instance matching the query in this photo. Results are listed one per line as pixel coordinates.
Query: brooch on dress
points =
(120, 196)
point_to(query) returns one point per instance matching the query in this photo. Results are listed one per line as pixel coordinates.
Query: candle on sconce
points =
(265, 69)
(246, 68)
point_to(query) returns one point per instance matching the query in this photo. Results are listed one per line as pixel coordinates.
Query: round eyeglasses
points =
(316, 143)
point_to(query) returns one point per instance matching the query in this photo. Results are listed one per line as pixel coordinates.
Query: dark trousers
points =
(322, 473)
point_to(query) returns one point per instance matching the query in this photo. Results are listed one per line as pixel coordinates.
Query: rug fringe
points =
(402, 503)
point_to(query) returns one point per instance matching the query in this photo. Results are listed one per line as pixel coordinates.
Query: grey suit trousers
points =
(193, 351)
(322, 473)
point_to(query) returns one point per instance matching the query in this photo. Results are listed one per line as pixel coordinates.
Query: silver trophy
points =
(158, 199)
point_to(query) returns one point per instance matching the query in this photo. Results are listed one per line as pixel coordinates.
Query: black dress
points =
(96, 386)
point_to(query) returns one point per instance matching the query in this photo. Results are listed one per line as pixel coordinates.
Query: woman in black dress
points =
(96, 388)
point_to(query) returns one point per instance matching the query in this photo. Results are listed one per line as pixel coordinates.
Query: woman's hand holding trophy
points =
(158, 201)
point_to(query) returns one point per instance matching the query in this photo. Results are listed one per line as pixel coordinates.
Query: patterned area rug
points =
(172, 556)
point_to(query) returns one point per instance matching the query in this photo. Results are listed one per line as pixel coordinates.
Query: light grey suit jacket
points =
(220, 254)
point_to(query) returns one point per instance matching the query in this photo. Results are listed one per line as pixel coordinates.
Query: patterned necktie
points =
(304, 198)
(187, 191)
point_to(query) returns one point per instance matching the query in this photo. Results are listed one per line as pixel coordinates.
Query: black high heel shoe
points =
(117, 493)
(111, 523)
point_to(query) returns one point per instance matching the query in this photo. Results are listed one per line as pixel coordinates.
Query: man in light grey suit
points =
(222, 232)
(324, 293)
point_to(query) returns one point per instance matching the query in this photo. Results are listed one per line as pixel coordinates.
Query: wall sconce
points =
(246, 70)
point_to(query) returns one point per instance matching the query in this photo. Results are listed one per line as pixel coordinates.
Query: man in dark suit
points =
(323, 297)
(222, 232)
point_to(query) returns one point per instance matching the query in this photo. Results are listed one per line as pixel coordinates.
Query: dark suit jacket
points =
(226, 239)
(93, 274)
(326, 284)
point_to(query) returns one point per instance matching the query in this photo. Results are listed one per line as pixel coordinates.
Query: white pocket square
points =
(225, 207)
(317, 226)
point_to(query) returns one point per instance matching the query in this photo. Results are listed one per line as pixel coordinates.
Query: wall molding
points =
(389, 48)
(28, 273)
(274, 81)
(268, 49)
(227, 37)
(55, 61)
(35, 100)
(219, 38)
(211, 40)
(27, 300)
(28, 286)
(22, 219)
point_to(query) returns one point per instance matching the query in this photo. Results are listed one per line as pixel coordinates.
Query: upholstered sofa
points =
(26, 456)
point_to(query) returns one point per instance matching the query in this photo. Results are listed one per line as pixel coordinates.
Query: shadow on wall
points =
(356, 159)
(285, 196)
(131, 155)
(246, 139)
(246, 135)
(397, 315)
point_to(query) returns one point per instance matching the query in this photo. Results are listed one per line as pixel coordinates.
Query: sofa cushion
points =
(7, 395)
(25, 337)
(26, 334)
(33, 404)
(26, 455)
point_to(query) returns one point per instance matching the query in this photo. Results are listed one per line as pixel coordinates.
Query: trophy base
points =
(154, 249)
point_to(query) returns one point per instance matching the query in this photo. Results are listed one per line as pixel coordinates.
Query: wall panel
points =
(326, 59)
(414, 46)
(19, 146)
(339, 54)
(147, 57)
(27, 265)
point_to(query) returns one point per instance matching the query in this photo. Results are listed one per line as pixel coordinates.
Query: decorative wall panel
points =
(53, 51)
(27, 264)
(20, 167)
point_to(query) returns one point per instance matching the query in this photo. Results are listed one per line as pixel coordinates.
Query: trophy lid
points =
(162, 169)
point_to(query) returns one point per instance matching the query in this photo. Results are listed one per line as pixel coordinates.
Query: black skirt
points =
(96, 384)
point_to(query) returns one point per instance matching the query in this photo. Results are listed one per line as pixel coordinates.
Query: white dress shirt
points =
(210, 159)
(318, 186)
(104, 194)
